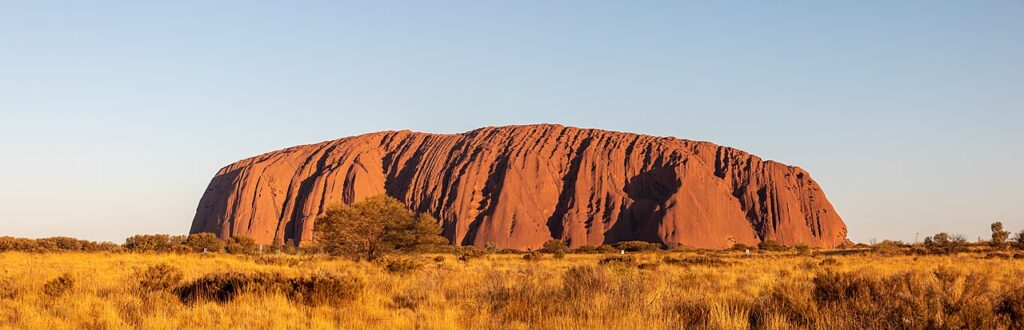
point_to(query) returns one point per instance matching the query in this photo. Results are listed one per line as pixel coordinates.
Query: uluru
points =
(520, 186)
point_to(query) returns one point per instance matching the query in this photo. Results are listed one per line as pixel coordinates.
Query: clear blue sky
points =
(115, 115)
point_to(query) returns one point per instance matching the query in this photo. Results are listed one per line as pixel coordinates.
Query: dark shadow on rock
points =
(649, 191)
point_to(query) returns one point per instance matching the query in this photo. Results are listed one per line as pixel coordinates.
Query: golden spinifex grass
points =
(667, 290)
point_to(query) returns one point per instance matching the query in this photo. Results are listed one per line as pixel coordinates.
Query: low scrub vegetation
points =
(403, 279)
(707, 290)
(315, 290)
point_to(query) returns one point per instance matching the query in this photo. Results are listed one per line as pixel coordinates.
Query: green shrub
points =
(803, 249)
(770, 245)
(205, 242)
(637, 246)
(241, 245)
(375, 227)
(554, 246)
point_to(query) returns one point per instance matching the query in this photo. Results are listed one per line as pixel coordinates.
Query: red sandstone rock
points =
(519, 186)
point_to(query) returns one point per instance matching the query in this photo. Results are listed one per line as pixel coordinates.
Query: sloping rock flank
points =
(519, 186)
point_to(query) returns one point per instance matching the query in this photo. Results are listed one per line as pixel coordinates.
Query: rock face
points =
(520, 186)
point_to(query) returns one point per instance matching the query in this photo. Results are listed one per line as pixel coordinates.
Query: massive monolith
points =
(520, 186)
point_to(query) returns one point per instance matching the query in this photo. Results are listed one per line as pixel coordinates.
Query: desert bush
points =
(8, 290)
(107, 247)
(330, 289)
(532, 256)
(59, 286)
(999, 235)
(770, 245)
(519, 298)
(789, 300)
(410, 299)
(8, 243)
(439, 259)
(61, 243)
(205, 242)
(54, 244)
(999, 255)
(829, 261)
(400, 265)
(701, 260)
(741, 247)
(648, 265)
(554, 246)
(218, 287)
(590, 249)
(802, 249)
(941, 299)
(491, 247)
(586, 249)
(278, 260)
(943, 243)
(241, 245)
(619, 261)
(467, 253)
(1010, 308)
(888, 248)
(317, 289)
(161, 277)
(637, 246)
(581, 283)
(149, 243)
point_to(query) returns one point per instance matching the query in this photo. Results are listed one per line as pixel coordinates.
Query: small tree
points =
(374, 227)
(943, 243)
(204, 242)
(1019, 239)
(241, 245)
(999, 236)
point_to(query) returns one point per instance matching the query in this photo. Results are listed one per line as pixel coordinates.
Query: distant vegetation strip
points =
(380, 226)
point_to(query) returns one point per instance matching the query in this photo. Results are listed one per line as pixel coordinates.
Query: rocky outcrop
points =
(519, 186)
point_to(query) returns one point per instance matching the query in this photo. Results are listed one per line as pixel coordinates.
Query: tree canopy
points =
(374, 227)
